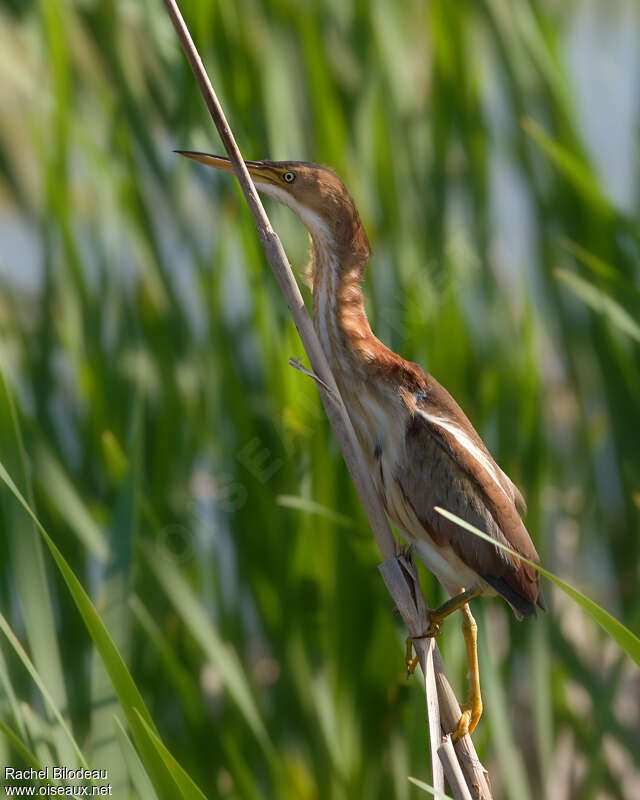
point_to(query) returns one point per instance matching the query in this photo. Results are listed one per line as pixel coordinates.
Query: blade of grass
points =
(139, 778)
(399, 763)
(41, 735)
(627, 640)
(29, 571)
(14, 705)
(188, 789)
(599, 301)
(540, 660)
(112, 598)
(571, 167)
(63, 495)
(597, 266)
(310, 507)
(183, 682)
(21, 749)
(221, 654)
(512, 768)
(128, 694)
(42, 686)
(428, 789)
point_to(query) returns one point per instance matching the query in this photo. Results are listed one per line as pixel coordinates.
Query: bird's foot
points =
(436, 618)
(411, 660)
(469, 718)
(463, 726)
(434, 627)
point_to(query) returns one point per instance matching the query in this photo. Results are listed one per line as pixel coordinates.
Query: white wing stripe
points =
(464, 440)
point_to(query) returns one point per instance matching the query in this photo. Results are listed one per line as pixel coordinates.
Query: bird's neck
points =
(374, 382)
(339, 314)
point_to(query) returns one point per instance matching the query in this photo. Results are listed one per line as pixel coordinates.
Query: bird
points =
(421, 449)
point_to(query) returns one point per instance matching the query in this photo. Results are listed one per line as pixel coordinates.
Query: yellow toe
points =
(463, 726)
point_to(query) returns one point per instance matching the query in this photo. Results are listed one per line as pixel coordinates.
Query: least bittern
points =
(422, 450)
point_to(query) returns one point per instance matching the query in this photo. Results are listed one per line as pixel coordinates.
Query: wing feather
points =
(449, 465)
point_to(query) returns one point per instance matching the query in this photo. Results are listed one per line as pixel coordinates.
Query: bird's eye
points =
(289, 177)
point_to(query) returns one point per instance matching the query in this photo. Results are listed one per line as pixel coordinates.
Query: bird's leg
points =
(472, 710)
(436, 617)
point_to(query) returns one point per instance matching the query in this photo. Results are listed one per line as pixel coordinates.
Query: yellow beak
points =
(261, 171)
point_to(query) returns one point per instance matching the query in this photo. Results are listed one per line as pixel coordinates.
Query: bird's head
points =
(316, 194)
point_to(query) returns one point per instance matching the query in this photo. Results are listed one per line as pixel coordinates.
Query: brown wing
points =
(449, 466)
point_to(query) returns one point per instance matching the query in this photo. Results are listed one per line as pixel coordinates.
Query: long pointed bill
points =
(260, 171)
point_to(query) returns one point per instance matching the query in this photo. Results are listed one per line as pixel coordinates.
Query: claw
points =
(469, 718)
(411, 666)
(463, 726)
(433, 629)
(410, 660)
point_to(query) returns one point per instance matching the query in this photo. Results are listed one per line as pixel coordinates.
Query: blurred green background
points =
(188, 475)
